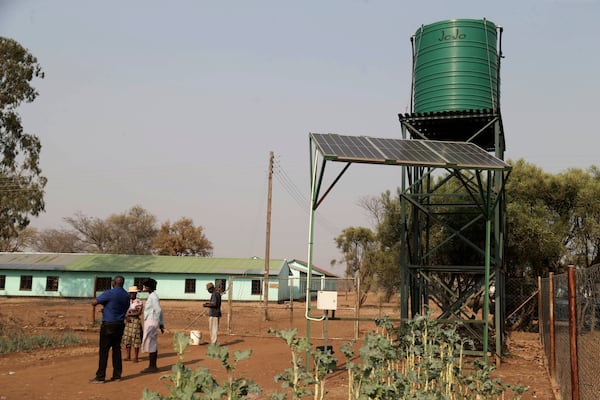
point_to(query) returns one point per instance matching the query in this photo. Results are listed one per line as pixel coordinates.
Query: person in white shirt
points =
(153, 321)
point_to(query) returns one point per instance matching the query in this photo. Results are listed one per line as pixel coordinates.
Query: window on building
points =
(26, 282)
(220, 284)
(52, 283)
(256, 286)
(138, 281)
(2, 282)
(103, 283)
(190, 286)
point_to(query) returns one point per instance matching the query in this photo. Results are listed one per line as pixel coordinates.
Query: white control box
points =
(326, 300)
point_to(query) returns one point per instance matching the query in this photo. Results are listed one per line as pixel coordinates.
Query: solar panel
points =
(371, 150)
(350, 147)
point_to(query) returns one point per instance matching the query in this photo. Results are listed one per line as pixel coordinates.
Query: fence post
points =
(551, 325)
(573, 333)
(292, 300)
(357, 309)
(540, 308)
(230, 305)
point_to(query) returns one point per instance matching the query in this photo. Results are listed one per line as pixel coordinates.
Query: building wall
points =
(69, 284)
(288, 283)
(170, 286)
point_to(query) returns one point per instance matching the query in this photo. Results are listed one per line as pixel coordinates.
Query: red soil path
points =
(64, 373)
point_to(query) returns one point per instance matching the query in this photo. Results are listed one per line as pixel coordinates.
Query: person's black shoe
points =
(96, 380)
(115, 379)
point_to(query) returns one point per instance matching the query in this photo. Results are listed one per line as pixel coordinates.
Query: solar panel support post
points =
(486, 283)
(314, 193)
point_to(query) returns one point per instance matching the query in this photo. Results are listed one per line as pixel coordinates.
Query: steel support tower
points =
(455, 210)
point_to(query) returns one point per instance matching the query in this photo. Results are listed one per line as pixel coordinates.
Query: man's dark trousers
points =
(111, 334)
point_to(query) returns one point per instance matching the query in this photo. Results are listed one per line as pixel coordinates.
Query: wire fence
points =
(521, 311)
(347, 321)
(535, 306)
(570, 330)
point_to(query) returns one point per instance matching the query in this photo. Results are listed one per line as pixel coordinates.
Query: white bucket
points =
(195, 337)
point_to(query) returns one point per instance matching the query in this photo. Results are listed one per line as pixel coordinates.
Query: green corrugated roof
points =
(42, 259)
(128, 263)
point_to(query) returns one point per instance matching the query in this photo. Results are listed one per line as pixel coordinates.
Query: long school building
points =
(179, 278)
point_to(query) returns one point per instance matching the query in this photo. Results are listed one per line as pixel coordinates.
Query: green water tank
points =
(455, 66)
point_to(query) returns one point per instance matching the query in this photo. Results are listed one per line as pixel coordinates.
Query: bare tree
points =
(58, 241)
(374, 207)
(93, 232)
(24, 239)
(131, 232)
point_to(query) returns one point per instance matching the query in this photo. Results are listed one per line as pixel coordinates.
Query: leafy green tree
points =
(132, 232)
(359, 246)
(383, 254)
(386, 210)
(583, 241)
(537, 228)
(21, 182)
(387, 271)
(552, 220)
(182, 238)
(388, 217)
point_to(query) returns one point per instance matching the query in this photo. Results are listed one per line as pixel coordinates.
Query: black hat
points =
(150, 283)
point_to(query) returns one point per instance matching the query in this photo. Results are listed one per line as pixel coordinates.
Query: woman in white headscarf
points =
(153, 321)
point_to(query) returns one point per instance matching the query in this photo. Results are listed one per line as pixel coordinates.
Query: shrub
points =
(23, 342)
(14, 338)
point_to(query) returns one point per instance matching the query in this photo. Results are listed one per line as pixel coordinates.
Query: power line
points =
(19, 189)
(299, 197)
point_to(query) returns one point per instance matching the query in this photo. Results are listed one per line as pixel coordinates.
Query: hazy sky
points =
(175, 105)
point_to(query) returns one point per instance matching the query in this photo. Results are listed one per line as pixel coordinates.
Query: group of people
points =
(122, 325)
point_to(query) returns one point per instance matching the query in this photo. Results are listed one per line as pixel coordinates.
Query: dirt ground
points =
(64, 373)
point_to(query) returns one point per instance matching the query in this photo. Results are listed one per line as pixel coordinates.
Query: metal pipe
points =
(313, 191)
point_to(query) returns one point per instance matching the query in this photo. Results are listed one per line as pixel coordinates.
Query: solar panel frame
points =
(349, 147)
(371, 150)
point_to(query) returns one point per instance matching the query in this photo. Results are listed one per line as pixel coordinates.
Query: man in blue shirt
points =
(116, 303)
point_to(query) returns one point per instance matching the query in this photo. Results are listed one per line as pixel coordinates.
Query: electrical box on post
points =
(326, 300)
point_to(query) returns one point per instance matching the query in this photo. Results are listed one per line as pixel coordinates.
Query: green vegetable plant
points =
(423, 358)
(298, 379)
(185, 384)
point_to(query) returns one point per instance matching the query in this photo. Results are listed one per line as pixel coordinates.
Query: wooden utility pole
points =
(94, 296)
(268, 239)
